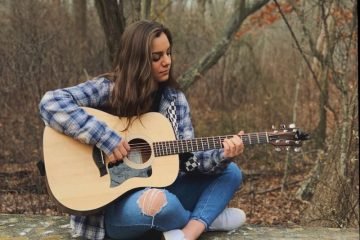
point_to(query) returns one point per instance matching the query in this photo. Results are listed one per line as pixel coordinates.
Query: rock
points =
(25, 227)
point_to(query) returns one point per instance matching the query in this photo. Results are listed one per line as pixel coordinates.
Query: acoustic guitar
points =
(82, 181)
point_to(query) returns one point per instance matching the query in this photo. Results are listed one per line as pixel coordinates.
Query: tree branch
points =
(213, 56)
(311, 43)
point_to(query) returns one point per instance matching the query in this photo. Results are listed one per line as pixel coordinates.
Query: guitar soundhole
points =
(140, 151)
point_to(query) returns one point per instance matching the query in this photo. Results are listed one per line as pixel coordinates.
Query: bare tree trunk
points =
(321, 70)
(114, 16)
(132, 11)
(321, 51)
(146, 9)
(288, 160)
(202, 8)
(80, 12)
(111, 13)
(336, 196)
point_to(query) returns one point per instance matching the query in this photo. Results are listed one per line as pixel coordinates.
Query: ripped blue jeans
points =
(199, 197)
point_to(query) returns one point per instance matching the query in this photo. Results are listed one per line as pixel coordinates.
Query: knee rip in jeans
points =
(152, 201)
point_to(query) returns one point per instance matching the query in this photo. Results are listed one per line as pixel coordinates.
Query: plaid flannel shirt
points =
(60, 109)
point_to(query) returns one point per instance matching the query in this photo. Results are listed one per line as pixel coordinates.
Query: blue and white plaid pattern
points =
(89, 227)
(60, 109)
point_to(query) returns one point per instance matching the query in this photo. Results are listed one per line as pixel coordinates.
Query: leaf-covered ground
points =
(23, 190)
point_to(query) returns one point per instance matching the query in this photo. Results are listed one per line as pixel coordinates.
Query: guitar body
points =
(74, 178)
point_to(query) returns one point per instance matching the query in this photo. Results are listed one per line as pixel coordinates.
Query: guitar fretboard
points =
(205, 143)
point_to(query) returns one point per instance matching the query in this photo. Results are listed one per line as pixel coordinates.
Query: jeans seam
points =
(207, 200)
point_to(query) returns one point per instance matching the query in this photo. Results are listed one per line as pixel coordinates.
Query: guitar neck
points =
(204, 143)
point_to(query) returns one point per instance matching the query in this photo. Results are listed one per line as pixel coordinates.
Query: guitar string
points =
(196, 141)
(184, 144)
(162, 148)
(201, 140)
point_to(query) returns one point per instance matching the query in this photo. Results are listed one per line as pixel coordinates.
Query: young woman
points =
(141, 82)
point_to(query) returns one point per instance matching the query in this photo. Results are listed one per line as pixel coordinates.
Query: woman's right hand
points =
(120, 151)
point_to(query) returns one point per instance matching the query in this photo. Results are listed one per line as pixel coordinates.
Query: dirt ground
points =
(23, 191)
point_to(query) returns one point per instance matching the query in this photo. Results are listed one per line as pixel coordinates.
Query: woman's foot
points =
(176, 234)
(229, 219)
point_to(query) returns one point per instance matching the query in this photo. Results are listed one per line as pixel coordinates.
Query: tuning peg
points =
(278, 149)
(292, 125)
(297, 149)
(282, 126)
(287, 148)
(274, 128)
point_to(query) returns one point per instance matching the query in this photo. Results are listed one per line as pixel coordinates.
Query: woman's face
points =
(161, 58)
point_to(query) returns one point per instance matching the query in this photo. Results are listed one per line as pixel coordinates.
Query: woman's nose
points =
(166, 60)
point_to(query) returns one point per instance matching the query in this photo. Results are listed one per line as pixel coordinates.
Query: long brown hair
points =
(134, 85)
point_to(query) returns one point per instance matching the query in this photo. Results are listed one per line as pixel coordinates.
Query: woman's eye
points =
(156, 57)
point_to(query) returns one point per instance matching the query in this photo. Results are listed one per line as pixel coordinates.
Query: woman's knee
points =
(151, 201)
(164, 205)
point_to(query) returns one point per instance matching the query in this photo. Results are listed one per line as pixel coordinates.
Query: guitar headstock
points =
(287, 137)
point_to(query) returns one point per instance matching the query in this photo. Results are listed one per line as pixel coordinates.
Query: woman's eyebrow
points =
(159, 52)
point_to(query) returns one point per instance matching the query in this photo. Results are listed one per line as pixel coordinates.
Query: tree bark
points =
(146, 9)
(336, 195)
(111, 14)
(132, 11)
(80, 12)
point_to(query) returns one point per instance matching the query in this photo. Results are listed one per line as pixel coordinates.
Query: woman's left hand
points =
(233, 146)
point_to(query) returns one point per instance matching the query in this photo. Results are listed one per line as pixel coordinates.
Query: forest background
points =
(242, 64)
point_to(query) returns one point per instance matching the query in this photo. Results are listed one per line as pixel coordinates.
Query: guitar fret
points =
(196, 144)
(257, 135)
(249, 138)
(213, 142)
(267, 137)
(162, 149)
(218, 141)
(207, 142)
(171, 147)
(244, 139)
(176, 147)
(167, 147)
(156, 149)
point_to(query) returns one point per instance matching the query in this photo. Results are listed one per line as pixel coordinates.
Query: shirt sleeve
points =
(211, 161)
(61, 110)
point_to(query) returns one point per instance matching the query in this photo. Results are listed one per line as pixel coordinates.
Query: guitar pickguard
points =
(122, 172)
